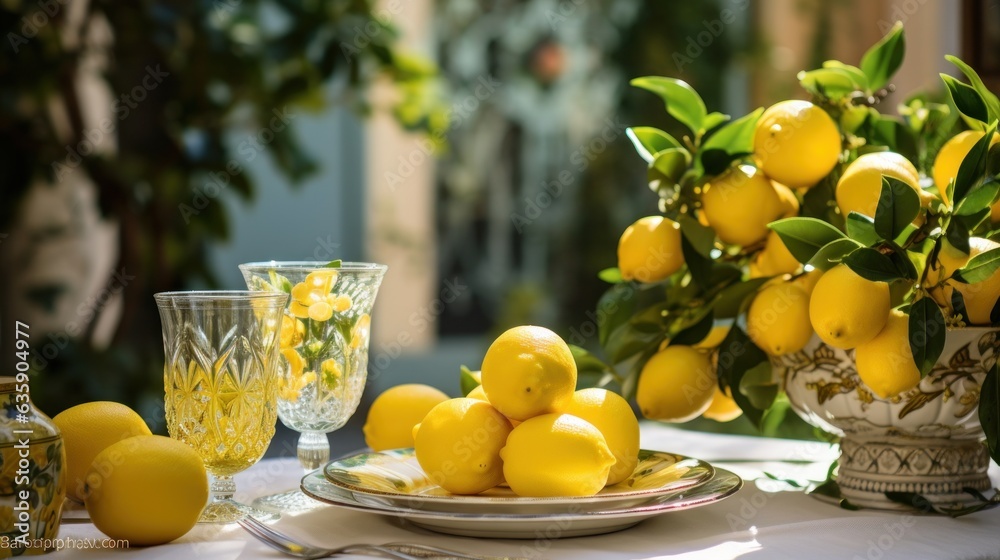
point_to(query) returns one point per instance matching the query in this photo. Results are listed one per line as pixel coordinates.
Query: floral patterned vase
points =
(927, 440)
(32, 483)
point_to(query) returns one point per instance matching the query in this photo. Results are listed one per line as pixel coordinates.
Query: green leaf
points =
(758, 386)
(927, 333)
(979, 267)
(702, 238)
(833, 253)
(882, 60)
(892, 132)
(861, 228)
(978, 198)
(832, 83)
(872, 265)
(730, 301)
(671, 163)
(958, 235)
(990, 98)
(989, 411)
(699, 265)
(958, 307)
(467, 381)
(994, 314)
(649, 141)
(973, 167)
(898, 206)
(611, 275)
(737, 136)
(696, 332)
(713, 120)
(280, 282)
(614, 309)
(738, 355)
(904, 265)
(587, 362)
(714, 161)
(804, 237)
(969, 102)
(682, 101)
(334, 264)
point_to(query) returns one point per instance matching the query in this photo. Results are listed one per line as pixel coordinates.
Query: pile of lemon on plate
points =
(525, 425)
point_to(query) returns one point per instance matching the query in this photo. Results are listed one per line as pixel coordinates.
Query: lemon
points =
(859, 187)
(723, 407)
(612, 415)
(808, 280)
(556, 455)
(885, 363)
(778, 319)
(796, 143)
(775, 259)
(676, 384)
(89, 428)
(740, 203)
(714, 338)
(394, 413)
(458, 445)
(528, 371)
(980, 297)
(950, 157)
(148, 490)
(789, 202)
(650, 249)
(478, 393)
(846, 310)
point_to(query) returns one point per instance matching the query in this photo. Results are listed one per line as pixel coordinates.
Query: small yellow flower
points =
(340, 304)
(321, 311)
(299, 310)
(307, 378)
(293, 331)
(331, 372)
(294, 361)
(321, 280)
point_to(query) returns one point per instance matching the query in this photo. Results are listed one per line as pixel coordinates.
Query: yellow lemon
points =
(723, 407)
(478, 393)
(778, 319)
(612, 415)
(556, 455)
(796, 143)
(859, 187)
(846, 310)
(713, 340)
(775, 259)
(789, 202)
(528, 371)
(394, 413)
(950, 157)
(148, 490)
(980, 297)
(740, 203)
(89, 428)
(458, 445)
(676, 384)
(650, 249)
(885, 363)
(808, 280)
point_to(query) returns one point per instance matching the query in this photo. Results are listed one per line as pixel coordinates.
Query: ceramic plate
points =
(394, 478)
(491, 524)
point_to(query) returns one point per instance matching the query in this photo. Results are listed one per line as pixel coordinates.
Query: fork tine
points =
(265, 529)
(432, 549)
(276, 545)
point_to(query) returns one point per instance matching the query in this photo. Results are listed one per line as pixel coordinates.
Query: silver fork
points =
(285, 544)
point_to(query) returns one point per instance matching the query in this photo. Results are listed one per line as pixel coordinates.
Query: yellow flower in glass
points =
(293, 331)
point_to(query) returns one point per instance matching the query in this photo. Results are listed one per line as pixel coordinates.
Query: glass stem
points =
(222, 489)
(313, 450)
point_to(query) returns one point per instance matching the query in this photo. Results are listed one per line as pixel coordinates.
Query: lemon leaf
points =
(882, 60)
(696, 332)
(467, 381)
(978, 198)
(682, 101)
(804, 237)
(737, 136)
(702, 238)
(738, 356)
(979, 267)
(872, 265)
(990, 98)
(611, 275)
(898, 205)
(649, 141)
(831, 83)
(973, 167)
(969, 102)
(927, 333)
(334, 264)
(861, 228)
(587, 362)
(833, 253)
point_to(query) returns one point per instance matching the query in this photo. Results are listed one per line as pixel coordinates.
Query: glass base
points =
(228, 511)
(292, 501)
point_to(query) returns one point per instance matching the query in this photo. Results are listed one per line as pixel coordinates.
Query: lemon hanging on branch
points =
(650, 249)
(796, 143)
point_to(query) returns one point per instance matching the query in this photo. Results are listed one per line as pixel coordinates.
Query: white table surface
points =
(764, 520)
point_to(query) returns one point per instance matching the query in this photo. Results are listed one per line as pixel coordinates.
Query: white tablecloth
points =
(762, 521)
